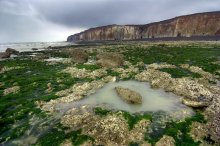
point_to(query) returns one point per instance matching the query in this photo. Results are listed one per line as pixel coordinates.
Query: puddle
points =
(153, 100)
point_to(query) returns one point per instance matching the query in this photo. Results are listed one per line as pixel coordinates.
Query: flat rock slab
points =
(195, 104)
(128, 95)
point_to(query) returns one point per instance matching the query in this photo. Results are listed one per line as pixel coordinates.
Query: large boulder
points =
(8, 53)
(4, 55)
(79, 56)
(128, 95)
(109, 60)
(11, 51)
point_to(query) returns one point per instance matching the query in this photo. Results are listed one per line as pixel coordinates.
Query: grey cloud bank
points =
(54, 20)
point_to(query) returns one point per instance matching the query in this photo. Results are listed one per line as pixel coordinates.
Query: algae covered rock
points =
(4, 55)
(14, 89)
(11, 51)
(8, 53)
(79, 56)
(195, 94)
(109, 130)
(109, 60)
(166, 141)
(128, 95)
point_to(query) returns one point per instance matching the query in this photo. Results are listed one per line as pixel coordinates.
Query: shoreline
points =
(161, 39)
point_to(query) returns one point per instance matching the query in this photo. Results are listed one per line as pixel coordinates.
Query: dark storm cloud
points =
(87, 13)
(19, 22)
(56, 19)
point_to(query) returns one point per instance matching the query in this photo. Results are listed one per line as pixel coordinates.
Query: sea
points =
(28, 46)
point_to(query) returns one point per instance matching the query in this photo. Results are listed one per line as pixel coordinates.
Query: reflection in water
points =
(27, 46)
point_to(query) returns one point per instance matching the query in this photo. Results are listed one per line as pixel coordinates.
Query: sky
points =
(55, 20)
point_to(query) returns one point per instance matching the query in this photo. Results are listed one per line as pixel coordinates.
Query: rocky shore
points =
(81, 71)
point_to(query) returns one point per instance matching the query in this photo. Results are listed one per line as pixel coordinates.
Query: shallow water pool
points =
(152, 99)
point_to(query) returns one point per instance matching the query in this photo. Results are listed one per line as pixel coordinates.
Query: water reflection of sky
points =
(152, 99)
(29, 45)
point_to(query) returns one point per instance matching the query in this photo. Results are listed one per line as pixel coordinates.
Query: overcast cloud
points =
(54, 20)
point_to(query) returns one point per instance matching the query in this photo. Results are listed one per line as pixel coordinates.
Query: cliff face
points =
(201, 24)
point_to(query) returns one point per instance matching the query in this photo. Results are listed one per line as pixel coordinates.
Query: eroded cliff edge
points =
(200, 24)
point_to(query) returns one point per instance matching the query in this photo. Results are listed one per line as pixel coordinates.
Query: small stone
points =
(166, 141)
(49, 88)
(14, 89)
(67, 142)
(145, 144)
(1, 84)
(128, 95)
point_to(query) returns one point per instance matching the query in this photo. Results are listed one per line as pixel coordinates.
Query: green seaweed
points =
(57, 53)
(58, 135)
(133, 144)
(180, 72)
(101, 111)
(192, 55)
(33, 78)
(112, 73)
(131, 76)
(53, 137)
(178, 130)
(133, 119)
(78, 139)
(87, 66)
(209, 140)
